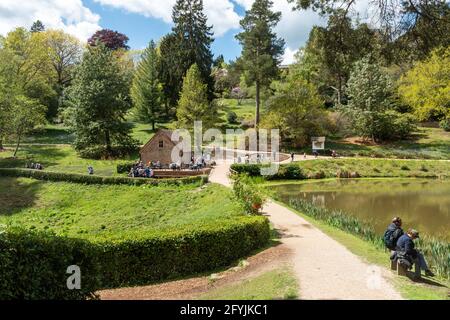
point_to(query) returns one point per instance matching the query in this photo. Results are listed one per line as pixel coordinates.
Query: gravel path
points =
(325, 268)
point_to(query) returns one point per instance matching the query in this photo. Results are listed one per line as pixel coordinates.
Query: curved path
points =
(325, 268)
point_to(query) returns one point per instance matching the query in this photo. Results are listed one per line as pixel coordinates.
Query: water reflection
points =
(423, 204)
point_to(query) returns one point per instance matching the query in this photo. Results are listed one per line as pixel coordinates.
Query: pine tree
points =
(146, 90)
(194, 39)
(193, 104)
(37, 26)
(262, 49)
(99, 99)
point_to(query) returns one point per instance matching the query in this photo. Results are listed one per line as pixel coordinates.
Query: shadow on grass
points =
(16, 196)
(425, 281)
(47, 156)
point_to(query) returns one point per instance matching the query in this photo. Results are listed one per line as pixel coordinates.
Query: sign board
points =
(318, 143)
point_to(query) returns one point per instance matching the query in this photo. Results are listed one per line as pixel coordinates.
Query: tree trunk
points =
(258, 102)
(153, 125)
(17, 146)
(108, 141)
(1, 144)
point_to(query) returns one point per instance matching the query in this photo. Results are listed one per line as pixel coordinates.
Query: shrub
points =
(100, 152)
(289, 172)
(125, 167)
(445, 124)
(232, 117)
(34, 264)
(80, 178)
(248, 194)
(252, 170)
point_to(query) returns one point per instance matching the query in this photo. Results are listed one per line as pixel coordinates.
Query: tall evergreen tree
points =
(146, 90)
(99, 98)
(170, 74)
(37, 26)
(262, 49)
(194, 105)
(194, 38)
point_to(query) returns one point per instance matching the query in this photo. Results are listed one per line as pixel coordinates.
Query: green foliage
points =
(296, 109)
(436, 252)
(367, 168)
(99, 99)
(92, 179)
(232, 117)
(146, 90)
(146, 258)
(34, 266)
(23, 85)
(193, 104)
(330, 52)
(445, 124)
(125, 167)
(370, 108)
(248, 194)
(189, 43)
(426, 87)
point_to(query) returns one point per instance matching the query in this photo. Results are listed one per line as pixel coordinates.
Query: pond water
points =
(422, 204)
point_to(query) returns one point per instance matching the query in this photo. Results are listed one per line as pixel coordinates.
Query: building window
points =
(161, 144)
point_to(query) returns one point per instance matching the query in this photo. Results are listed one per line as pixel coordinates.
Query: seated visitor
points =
(393, 233)
(406, 248)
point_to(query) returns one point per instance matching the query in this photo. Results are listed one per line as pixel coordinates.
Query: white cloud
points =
(289, 56)
(69, 15)
(221, 13)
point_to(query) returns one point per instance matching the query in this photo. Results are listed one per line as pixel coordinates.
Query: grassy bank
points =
(362, 167)
(62, 158)
(93, 212)
(426, 143)
(273, 285)
(361, 240)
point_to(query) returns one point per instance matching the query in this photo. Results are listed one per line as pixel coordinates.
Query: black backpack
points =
(391, 237)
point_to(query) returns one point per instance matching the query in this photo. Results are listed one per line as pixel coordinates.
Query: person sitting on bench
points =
(406, 248)
(393, 233)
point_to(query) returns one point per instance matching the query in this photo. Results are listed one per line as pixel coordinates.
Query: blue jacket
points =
(406, 244)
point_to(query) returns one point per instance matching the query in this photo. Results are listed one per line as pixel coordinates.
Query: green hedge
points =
(34, 264)
(285, 172)
(125, 167)
(86, 179)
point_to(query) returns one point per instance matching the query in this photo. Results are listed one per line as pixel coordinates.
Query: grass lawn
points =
(378, 167)
(245, 111)
(96, 212)
(62, 158)
(408, 289)
(427, 143)
(273, 285)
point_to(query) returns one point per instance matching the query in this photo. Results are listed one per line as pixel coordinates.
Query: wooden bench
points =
(402, 271)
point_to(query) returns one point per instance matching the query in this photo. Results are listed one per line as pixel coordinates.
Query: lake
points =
(422, 204)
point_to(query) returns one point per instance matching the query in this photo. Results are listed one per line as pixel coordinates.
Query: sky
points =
(145, 20)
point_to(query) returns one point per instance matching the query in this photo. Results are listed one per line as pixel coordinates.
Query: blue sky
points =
(144, 20)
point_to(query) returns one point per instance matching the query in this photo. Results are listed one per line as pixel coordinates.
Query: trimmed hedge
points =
(285, 172)
(34, 264)
(86, 179)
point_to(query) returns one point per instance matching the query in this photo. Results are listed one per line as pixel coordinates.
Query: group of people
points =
(34, 166)
(139, 170)
(403, 249)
